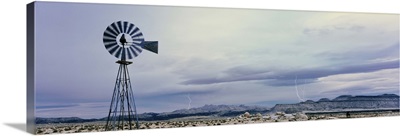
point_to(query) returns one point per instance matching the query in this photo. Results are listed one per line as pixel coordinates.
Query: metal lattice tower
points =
(124, 41)
(123, 106)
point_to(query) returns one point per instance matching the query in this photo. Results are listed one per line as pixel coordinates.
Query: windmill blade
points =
(125, 26)
(114, 27)
(134, 31)
(136, 48)
(108, 40)
(134, 52)
(113, 49)
(110, 33)
(120, 27)
(129, 53)
(150, 46)
(130, 28)
(110, 45)
(118, 53)
(137, 35)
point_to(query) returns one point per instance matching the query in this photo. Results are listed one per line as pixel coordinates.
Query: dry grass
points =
(245, 118)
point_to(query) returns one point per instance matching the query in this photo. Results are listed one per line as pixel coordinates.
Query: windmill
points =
(124, 41)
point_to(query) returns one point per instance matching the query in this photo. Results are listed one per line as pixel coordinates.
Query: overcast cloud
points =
(218, 56)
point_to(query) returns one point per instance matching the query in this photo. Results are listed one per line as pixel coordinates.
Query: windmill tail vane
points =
(124, 41)
(150, 46)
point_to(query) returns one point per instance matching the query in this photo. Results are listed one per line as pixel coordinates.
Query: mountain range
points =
(344, 102)
(206, 110)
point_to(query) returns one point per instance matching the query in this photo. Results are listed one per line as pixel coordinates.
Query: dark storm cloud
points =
(277, 78)
(243, 70)
(364, 53)
(180, 92)
(202, 92)
(289, 82)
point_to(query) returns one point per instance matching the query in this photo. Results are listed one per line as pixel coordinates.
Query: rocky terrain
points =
(344, 106)
(245, 118)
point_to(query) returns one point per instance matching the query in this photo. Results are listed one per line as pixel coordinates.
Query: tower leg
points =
(122, 110)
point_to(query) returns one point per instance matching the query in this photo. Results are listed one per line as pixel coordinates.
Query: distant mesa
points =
(308, 101)
(219, 108)
(324, 100)
(343, 102)
(343, 98)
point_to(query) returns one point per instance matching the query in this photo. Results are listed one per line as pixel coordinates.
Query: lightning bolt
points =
(190, 101)
(297, 91)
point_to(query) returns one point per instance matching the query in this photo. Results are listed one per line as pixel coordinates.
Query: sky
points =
(211, 56)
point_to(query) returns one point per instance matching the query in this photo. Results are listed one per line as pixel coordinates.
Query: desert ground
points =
(245, 118)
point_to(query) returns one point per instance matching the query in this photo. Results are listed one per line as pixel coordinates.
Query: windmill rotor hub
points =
(125, 41)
